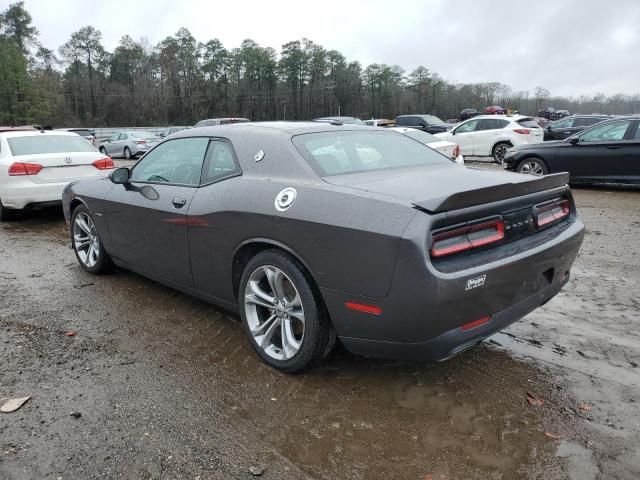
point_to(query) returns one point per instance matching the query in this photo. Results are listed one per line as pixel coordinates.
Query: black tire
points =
(317, 329)
(103, 263)
(127, 153)
(103, 150)
(532, 166)
(499, 151)
(6, 214)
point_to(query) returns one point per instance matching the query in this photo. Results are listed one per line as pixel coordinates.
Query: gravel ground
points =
(167, 386)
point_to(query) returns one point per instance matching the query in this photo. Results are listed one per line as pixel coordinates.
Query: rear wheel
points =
(533, 166)
(103, 150)
(283, 316)
(499, 151)
(127, 153)
(86, 242)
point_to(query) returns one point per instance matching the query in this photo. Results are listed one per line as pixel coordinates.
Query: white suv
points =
(493, 135)
(35, 167)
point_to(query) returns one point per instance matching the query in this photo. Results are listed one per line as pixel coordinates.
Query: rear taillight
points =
(104, 164)
(467, 238)
(140, 142)
(522, 131)
(20, 168)
(551, 212)
(456, 151)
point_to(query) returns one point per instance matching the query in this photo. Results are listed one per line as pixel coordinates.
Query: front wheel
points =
(86, 242)
(127, 153)
(282, 314)
(533, 166)
(499, 151)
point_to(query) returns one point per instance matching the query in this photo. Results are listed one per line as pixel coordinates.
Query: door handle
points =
(178, 202)
(614, 147)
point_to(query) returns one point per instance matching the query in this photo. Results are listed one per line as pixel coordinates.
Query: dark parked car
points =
(428, 123)
(568, 126)
(338, 120)
(312, 231)
(607, 152)
(468, 113)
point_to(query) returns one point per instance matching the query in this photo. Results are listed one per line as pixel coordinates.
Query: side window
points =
(123, 136)
(210, 123)
(469, 126)
(219, 163)
(564, 123)
(636, 135)
(174, 161)
(200, 124)
(114, 137)
(502, 123)
(610, 132)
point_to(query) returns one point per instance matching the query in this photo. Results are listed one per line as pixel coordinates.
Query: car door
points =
(487, 133)
(110, 146)
(630, 171)
(147, 217)
(598, 153)
(464, 135)
(211, 216)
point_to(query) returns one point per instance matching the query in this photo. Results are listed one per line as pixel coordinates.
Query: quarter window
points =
(174, 161)
(219, 163)
(610, 132)
(564, 123)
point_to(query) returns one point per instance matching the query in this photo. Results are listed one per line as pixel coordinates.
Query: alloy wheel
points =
(274, 312)
(532, 167)
(85, 240)
(499, 153)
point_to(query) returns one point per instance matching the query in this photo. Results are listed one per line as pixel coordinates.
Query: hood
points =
(447, 187)
(537, 146)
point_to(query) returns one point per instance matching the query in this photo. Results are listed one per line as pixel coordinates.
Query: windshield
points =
(39, 144)
(335, 153)
(432, 120)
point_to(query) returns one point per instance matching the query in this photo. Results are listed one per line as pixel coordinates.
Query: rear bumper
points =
(21, 195)
(456, 340)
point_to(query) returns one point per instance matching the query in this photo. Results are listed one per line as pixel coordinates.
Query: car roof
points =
(25, 128)
(35, 133)
(276, 127)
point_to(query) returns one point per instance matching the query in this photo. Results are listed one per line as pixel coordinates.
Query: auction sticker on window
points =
(475, 282)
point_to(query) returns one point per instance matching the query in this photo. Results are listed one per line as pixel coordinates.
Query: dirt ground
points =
(167, 386)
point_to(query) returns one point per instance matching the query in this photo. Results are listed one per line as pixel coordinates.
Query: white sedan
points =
(448, 149)
(35, 166)
(493, 135)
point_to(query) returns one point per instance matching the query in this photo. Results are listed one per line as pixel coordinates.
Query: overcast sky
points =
(570, 47)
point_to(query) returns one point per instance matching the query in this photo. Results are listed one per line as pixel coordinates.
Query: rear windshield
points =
(335, 153)
(528, 123)
(38, 144)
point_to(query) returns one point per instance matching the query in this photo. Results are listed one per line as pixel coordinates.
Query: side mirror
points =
(574, 140)
(120, 176)
(549, 128)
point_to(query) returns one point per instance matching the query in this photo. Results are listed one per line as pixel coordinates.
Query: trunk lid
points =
(442, 188)
(62, 167)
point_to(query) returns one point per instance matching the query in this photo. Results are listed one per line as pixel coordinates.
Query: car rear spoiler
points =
(494, 193)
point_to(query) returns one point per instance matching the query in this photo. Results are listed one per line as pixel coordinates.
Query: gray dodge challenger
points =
(317, 231)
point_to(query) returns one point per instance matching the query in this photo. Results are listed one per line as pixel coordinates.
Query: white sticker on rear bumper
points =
(475, 282)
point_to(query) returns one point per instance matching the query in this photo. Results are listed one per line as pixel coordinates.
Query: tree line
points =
(181, 80)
